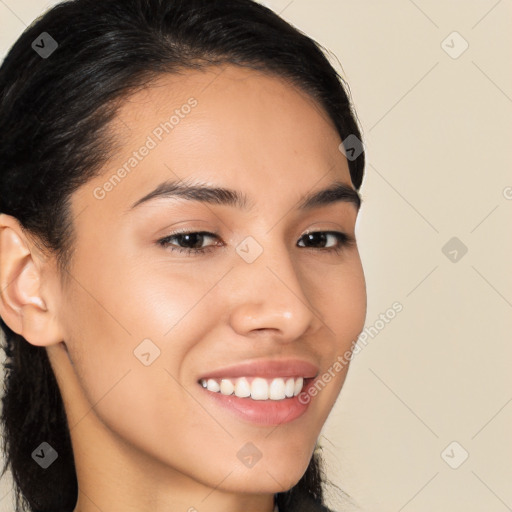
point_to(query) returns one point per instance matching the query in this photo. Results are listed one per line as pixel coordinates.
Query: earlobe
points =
(22, 306)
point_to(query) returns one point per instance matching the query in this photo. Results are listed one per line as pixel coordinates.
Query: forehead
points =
(217, 88)
(228, 125)
(246, 105)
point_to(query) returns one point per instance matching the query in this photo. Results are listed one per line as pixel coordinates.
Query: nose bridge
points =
(270, 290)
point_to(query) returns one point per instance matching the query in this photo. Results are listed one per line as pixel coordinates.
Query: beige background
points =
(437, 131)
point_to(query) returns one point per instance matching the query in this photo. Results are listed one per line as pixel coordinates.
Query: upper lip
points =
(269, 368)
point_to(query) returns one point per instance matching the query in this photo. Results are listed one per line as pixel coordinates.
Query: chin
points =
(275, 473)
(264, 481)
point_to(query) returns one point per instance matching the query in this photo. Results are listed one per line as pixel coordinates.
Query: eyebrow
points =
(336, 192)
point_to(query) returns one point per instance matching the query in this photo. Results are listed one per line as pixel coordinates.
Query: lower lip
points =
(264, 412)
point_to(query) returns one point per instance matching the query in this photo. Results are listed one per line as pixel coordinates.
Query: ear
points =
(26, 304)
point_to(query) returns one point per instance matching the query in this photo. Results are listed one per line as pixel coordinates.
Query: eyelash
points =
(344, 241)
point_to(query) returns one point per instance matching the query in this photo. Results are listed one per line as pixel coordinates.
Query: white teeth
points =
(276, 390)
(289, 388)
(213, 385)
(226, 387)
(259, 389)
(298, 386)
(242, 388)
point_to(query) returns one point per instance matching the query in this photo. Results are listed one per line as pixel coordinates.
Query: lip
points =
(266, 368)
(264, 413)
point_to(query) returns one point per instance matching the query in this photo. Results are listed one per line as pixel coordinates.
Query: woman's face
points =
(144, 321)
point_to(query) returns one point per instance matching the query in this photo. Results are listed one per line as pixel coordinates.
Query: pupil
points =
(194, 235)
(311, 236)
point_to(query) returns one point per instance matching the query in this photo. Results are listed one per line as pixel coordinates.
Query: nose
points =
(270, 297)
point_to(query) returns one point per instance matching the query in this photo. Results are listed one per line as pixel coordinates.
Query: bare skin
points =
(145, 438)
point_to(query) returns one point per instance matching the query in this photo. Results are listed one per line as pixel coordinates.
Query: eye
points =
(341, 240)
(191, 239)
(194, 240)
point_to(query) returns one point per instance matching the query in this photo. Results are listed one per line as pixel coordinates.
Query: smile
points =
(256, 388)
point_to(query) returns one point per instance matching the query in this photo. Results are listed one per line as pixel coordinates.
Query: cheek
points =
(131, 335)
(351, 306)
(343, 307)
(342, 301)
(164, 296)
